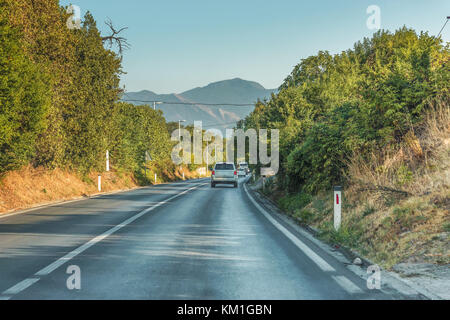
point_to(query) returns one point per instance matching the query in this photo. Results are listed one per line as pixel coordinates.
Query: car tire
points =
(235, 185)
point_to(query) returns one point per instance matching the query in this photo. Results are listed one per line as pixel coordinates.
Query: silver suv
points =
(224, 172)
(244, 166)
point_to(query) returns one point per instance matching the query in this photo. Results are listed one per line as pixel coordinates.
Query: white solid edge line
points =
(53, 266)
(20, 286)
(348, 285)
(321, 263)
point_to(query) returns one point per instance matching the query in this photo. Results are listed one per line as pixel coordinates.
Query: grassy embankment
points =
(396, 207)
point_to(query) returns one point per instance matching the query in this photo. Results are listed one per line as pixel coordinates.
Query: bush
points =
(348, 234)
(356, 103)
(290, 203)
(404, 175)
(446, 227)
(304, 215)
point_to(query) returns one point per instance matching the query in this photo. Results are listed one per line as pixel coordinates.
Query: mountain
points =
(234, 91)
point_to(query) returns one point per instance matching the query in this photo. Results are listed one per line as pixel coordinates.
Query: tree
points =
(23, 99)
(358, 101)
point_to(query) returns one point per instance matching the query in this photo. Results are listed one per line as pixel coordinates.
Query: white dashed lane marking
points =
(19, 287)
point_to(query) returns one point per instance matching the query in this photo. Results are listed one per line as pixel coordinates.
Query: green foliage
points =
(399, 213)
(348, 234)
(269, 185)
(290, 203)
(406, 217)
(446, 227)
(368, 210)
(317, 163)
(59, 93)
(359, 101)
(23, 99)
(88, 120)
(135, 130)
(304, 215)
(404, 175)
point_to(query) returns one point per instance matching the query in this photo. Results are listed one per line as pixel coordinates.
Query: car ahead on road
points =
(242, 172)
(244, 165)
(224, 172)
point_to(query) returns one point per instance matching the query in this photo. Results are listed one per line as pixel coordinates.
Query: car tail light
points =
(235, 172)
(213, 172)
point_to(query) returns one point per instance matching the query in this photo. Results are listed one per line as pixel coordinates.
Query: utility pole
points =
(147, 158)
(207, 160)
(179, 129)
(155, 103)
(179, 135)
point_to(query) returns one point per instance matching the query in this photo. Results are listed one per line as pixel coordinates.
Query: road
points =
(172, 241)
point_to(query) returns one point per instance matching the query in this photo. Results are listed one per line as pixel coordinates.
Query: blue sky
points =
(179, 45)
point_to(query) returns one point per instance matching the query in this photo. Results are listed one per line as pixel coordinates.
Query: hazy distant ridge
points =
(235, 91)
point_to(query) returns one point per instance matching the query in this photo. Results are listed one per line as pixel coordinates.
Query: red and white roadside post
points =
(337, 207)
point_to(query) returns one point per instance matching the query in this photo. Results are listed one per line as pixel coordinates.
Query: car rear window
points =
(224, 166)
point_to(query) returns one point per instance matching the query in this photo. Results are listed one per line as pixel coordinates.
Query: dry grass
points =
(397, 208)
(33, 186)
(420, 165)
(401, 198)
(168, 171)
(30, 186)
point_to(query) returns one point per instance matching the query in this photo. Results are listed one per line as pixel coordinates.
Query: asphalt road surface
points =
(173, 241)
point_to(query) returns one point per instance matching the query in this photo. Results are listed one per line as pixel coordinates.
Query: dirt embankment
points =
(29, 187)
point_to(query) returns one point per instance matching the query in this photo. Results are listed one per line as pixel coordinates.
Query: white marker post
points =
(107, 160)
(155, 178)
(207, 160)
(337, 207)
(99, 183)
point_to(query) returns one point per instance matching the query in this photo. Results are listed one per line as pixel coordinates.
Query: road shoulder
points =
(392, 283)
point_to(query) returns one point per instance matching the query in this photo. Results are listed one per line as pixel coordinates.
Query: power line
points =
(218, 124)
(443, 26)
(192, 103)
(208, 125)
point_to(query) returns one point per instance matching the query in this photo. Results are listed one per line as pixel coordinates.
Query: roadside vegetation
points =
(374, 119)
(60, 106)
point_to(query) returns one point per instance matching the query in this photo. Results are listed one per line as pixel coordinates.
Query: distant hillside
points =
(236, 91)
